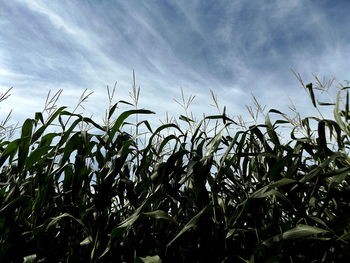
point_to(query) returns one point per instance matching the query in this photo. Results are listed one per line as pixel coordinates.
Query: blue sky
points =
(234, 48)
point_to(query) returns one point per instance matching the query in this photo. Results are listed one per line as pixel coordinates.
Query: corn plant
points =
(174, 194)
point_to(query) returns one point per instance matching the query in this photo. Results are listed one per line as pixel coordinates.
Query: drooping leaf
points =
(119, 121)
(312, 95)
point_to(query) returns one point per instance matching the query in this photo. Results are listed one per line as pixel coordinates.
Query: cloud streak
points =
(232, 47)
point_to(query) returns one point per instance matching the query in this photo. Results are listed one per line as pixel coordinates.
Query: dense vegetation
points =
(215, 190)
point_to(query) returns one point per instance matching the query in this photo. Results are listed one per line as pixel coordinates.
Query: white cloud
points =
(232, 47)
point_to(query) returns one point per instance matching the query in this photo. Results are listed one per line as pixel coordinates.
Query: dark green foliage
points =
(99, 195)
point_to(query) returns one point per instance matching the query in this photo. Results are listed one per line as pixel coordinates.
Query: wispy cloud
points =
(232, 47)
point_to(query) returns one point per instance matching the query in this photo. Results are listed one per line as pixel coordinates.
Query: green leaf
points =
(271, 131)
(347, 106)
(47, 139)
(41, 130)
(111, 111)
(120, 120)
(72, 144)
(165, 141)
(151, 259)
(214, 144)
(282, 182)
(10, 150)
(325, 103)
(312, 95)
(55, 220)
(147, 125)
(27, 128)
(298, 232)
(345, 236)
(119, 230)
(322, 143)
(316, 171)
(23, 148)
(39, 117)
(302, 231)
(184, 118)
(127, 223)
(337, 116)
(191, 224)
(86, 241)
(318, 220)
(160, 214)
(36, 156)
(13, 203)
(276, 111)
(158, 130)
(30, 259)
(220, 117)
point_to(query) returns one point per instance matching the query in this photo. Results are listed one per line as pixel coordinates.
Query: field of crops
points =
(215, 190)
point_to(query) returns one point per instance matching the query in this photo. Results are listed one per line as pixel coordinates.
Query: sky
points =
(235, 48)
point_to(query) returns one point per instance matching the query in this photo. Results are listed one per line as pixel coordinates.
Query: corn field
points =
(73, 190)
